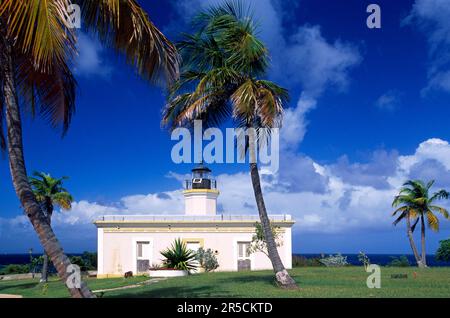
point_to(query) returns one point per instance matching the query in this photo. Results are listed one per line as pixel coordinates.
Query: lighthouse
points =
(200, 192)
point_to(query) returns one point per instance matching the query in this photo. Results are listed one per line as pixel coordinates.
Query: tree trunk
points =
(49, 212)
(422, 234)
(282, 276)
(411, 241)
(20, 179)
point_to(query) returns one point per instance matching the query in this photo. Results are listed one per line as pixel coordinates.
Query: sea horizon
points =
(352, 258)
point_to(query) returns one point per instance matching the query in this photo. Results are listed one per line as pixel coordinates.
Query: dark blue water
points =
(6, 259)
(382, 259)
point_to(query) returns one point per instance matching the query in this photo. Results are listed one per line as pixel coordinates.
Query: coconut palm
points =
(417, 204)
(36, 50)
(222, 79)
(49, 192)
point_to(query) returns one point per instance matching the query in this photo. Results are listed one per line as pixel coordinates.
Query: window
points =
(243, 249)
(142, 249)
(193, 245)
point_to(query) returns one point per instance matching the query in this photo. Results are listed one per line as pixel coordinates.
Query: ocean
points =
(6, 259)
(380, 259)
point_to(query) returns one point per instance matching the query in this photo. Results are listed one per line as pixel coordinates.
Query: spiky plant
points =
(179, 257)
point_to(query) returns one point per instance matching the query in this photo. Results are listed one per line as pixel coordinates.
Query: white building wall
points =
(100, 255)
(200, 202)
(119, 249)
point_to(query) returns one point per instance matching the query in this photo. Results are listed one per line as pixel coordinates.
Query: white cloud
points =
(351, 198)
(295, 123)
(389, 101)
(303, 58)
(334, 198)
(90, 61)
(432, 17)
(316, 63)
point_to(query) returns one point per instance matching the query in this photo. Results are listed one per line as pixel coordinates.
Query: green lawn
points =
(313, 281)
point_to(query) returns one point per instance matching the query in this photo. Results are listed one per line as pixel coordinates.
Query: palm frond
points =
(400, 217)
(441, 210)
(63, 199)
(400, 209)
(48, 189)
(432, 220)
(50, 94)
(2, 135)
(126, 27)
(439, 195)
(245, 100)
(38, 28)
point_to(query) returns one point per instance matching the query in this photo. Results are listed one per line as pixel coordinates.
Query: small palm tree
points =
(417, 204)
(224, 63)
(179, 257)
(49, 192)
(36, 49)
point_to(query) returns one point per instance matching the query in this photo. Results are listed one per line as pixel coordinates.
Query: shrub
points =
(15, 269)
(364, 259)
(301, 261)
(334, 261)
(207, 259)
(78, 260)
(443, 252)
(87, 261)
(90, 260)
(178, 256)
(401, 261)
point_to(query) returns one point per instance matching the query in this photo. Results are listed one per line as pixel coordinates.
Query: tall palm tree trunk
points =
(411, 241)
(422, 234)
(49, 211)
(282, 276)
(19, 174)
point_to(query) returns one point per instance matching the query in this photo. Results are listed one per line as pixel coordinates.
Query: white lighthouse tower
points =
(201, 193)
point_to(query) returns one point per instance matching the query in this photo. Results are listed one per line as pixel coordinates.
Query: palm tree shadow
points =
(176, 292)
(18, 286)
(268, 279)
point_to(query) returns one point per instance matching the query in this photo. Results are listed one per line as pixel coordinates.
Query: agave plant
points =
(179, 257)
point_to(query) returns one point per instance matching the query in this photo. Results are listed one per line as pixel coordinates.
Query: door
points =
(143, 253)
(244, 262)
(194, 245)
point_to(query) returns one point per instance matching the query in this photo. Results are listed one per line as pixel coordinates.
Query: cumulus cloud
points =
(301, 56)
(375, 173)
(317, 63)
(432, 18)
(328, 199)
(295, 123)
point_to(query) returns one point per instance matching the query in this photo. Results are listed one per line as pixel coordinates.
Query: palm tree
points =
(417, 204)
(224, 63)
(49, 192)
(36, 49)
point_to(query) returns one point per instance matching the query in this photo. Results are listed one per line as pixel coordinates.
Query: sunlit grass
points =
(313, 282)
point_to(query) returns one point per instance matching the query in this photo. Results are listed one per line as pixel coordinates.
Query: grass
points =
(313, 281)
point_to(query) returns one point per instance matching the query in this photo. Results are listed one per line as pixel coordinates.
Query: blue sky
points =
(368, 110)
